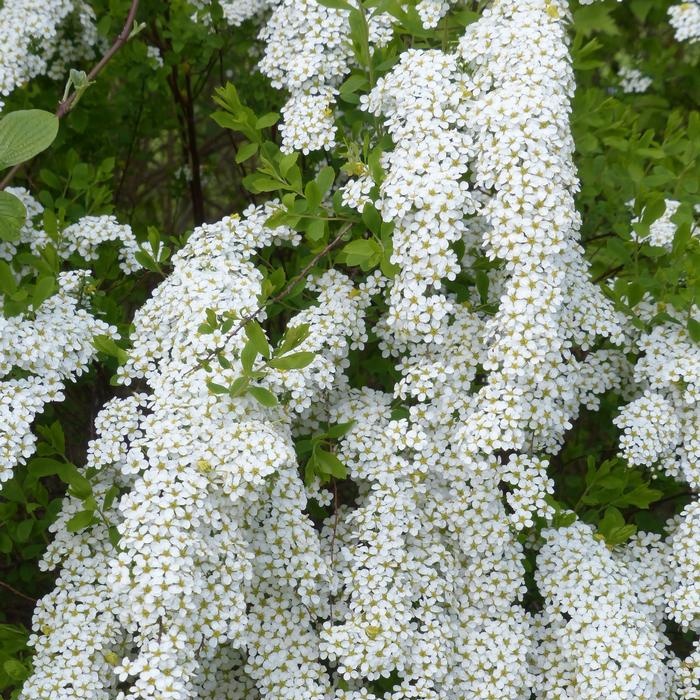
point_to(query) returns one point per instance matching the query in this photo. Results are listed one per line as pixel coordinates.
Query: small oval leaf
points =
(24, 133)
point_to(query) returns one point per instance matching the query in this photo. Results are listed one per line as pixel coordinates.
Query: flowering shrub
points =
(421, 421)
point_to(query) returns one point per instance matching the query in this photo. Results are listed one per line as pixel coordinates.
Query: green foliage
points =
(317, 453)
(12, 216)
(167, 147)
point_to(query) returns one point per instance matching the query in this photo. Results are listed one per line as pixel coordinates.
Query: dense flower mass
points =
(52, 343)
(263, 524)
(33, 40)
(308, 53)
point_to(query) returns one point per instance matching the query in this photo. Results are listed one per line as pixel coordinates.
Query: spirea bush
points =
(350, 350)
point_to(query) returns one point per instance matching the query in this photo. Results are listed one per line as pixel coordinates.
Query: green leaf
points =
(267, 120)
(217, 388)
(80, 520)
(257, 183)
(295, 360)
(68, 473)
(365, 253)
(24, 133)
(263, 396)
(316, 230)
(257, 336)
(23, 530)
(313, 195)
(336, 4)
(248, 355)
(246, 151)
(371, 218)
(16, 670)
(339, 429)
(482, 285)
(325, 179)
(239, 387)
(8, 284)
(43, 289)
(353, 84)
(694, 329)
(595, 18)
(107, 345)
(114, 536)
(293, 337)
(12, 216)
(110, 495)
(287, 162)
(328, 463)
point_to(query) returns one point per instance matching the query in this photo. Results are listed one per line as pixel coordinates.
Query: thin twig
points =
(278, 297)
(608, 273)
(64, 106)
(17, 593)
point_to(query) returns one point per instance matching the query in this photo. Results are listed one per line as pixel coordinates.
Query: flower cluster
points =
(663, 230)
(308, 53)
(52, 344)
(215, 549)
(633, 80)
(85, 236)
(31, 35)
(661, 428)
(203, 575)
(684, 564)
(685, 20)
(41, 351)
(235, 12)
(594, 639)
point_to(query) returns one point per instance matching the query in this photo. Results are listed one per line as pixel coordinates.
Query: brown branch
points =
(17, 593)
(64, 106)
(608, 273)
(196, 182)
